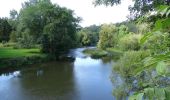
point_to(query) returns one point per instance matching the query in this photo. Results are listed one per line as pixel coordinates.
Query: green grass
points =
(95, 53)
(9, 52)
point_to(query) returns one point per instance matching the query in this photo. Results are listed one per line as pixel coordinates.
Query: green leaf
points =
(167, 13)
(138, 96)
(161, 68)
(166, 23)
(160, 94)
(149, 93)
(149, 62)
(167, 93)
(164, 11)
(145, 37)
(158, 25)
(161, 8)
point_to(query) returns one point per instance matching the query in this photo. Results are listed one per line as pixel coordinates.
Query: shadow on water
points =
(83, 79)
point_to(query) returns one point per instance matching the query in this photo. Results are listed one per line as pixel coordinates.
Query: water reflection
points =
(83, 79)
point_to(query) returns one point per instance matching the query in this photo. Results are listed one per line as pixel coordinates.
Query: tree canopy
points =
(140, 7)
(5, 29)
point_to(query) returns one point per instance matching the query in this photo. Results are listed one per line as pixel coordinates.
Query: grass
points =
(95, 53)
(11, 58)
(9, 52)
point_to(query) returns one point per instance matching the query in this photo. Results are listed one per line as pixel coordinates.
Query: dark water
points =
(83, 79)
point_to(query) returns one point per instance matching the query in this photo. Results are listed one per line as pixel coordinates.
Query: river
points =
(83, 79)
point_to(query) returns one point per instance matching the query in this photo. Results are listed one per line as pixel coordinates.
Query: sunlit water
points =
(83, 79)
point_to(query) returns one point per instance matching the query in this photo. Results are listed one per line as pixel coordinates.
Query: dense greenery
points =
(88, 36)
(142, 44)
(39, 31)
(139, 8)
(42, 23)
(5, 30)
(50, 25)
(144, 66)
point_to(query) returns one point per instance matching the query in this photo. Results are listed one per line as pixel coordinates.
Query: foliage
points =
(140, 7)
(122, 31)
(13, 36)
(160, 41)
(41, 22)
(5, 30)
(107, 36)
(32, 19)
(152, 94)
(7, 44)
(130, 42)
(129, 64)
(143, 28)
(61, 36)
(159, 60)
(88, 36)
(95, 53)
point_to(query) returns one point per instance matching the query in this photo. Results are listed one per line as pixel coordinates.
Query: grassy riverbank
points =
(9, 52)
(11, 58)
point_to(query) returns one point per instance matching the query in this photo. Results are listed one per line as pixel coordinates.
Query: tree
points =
(59, 31)
(5, 29)
(33, 17)
(50, 25)
(107, 36)
(13, 14)
(123, 30)
(139, 8)
(88, 36)
(13, 21)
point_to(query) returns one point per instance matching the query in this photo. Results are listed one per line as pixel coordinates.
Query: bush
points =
(114, 53)
(143, 28)
(130, 42)
(160, 41)
(9, 44)
(130, 63)
(13, 36)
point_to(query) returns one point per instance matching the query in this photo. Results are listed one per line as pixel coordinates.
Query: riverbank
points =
(58, 79)
(11, 58)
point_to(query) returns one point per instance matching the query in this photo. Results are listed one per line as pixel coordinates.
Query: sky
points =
(82, 8)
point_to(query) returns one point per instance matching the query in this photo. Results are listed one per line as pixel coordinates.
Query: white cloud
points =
(83, 8)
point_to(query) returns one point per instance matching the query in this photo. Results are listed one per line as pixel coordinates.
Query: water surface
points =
(83, 79)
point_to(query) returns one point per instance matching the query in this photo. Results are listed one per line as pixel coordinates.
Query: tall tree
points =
(33, 17)
(107, 36)
(53, 26)
(5, 29)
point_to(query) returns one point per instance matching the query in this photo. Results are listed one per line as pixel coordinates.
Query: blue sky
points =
(82, 8)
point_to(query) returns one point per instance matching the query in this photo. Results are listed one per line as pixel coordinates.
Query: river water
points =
(83, 79)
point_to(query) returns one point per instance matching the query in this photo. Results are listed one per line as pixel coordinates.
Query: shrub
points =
(9, 44)
(130, 62)
(157, 43)
(129, 42)
(143, 28)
